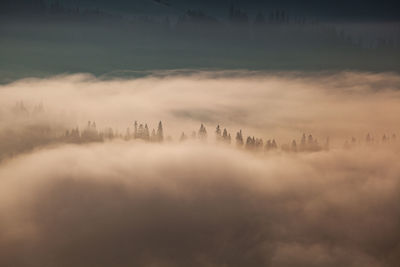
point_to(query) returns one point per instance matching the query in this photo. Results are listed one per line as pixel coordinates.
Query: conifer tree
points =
(225, 135)
(160, 132)
(218, 133)
(239, 138)
(135, 131)
(310, 140)
(249, 143)
(146, 133)
(274, 145)
(140, 132)
(202, 132)
(183, 137)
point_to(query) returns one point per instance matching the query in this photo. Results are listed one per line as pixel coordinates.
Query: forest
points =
(39, 135)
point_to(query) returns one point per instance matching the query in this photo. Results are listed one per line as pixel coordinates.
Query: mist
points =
(200, 203)
(283, 105)
(171, 205)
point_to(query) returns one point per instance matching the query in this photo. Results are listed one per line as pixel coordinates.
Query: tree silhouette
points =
(226, 137)
(140, 132)
(183, 137)
(294, 146)
(202, 132)
(250, 143)
(160, 132)
(274, 145)
(146, 135)
(218, 133)
(135, 132)
(239, 139)
(310, 140)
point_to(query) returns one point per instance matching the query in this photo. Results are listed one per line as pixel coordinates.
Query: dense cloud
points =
(132, 203)
(136, 204)
(268, 105)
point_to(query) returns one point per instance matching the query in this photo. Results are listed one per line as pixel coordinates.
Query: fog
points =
(201, 203)
(281, 105)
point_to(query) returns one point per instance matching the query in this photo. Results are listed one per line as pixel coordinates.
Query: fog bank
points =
(283, 105)
(130, 204)
(201, 203)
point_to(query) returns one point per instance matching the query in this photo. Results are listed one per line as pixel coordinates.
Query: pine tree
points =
(135, 132)
(259, 143)
(294, 146)
(146, 133)
(239, 138)
(249, 143)
(202, 132)
(218, 133)
(310, 140)
(140, 132)
(160, 132)
(274, 145)
(183, 137)
(225, 135)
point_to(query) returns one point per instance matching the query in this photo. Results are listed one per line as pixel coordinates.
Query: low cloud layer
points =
(268, 105)
(138, 204)
(132, 203)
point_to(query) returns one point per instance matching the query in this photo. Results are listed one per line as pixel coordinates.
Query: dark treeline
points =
(236, 15)
(50, 37)
(33, 133)
(307, 143)
(38, 8)
(255, 27)
(91, 134)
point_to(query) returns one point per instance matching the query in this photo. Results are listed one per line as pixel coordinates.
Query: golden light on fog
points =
(127, 202)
